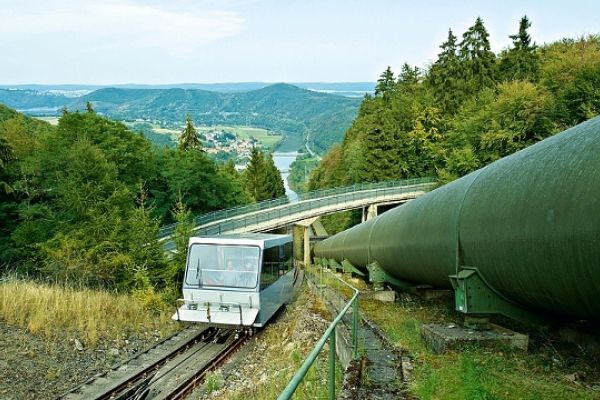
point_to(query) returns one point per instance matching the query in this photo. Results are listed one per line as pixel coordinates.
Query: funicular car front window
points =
(223, 265)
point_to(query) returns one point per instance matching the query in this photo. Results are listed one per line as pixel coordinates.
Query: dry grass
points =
(90, 315)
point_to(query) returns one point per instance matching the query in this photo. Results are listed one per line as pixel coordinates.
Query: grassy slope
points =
(479, 373)
(54, 311)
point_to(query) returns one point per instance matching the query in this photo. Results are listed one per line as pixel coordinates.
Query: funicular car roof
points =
(264, 240)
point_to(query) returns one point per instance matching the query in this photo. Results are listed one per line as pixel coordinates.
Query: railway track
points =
(169, 370)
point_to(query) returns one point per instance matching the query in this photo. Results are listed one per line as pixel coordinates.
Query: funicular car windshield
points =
(217, 265)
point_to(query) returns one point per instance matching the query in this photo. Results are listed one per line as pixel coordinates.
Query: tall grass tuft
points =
(89, 315)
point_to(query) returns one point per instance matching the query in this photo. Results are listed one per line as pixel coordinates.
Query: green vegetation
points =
(262, 178)
(549, 369)
(300, 170)
(280, 350)
(50, 310)
(267, 139)
(82, 202)
(481, 373)
(189, 139)
(286, 109)
(468, 109)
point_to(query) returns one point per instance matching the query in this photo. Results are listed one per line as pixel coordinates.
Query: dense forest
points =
(82, 202)
(469, 108)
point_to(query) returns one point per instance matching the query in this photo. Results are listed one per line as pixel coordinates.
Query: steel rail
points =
(190, 384)
(123, 386)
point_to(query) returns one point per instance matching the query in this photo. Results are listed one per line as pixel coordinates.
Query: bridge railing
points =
(363, 186)
(342, 200)
(308, 201)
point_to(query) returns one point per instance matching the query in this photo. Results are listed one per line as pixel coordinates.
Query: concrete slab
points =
(442, 337)
(388, 296)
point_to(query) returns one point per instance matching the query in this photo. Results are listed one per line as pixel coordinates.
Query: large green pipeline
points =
(529, 223)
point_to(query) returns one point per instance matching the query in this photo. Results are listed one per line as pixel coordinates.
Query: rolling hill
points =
(282, 108)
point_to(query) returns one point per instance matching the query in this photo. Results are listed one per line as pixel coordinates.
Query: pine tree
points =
(181, 236)
(385, 83)
(276, 186)
(381, 150)
(255, 175)
(478, 61)
(521, 62)
(189, 138)
(409, 75)
(146, 252)
(445, 75)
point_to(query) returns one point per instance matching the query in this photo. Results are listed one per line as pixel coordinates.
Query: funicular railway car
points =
(237, 279)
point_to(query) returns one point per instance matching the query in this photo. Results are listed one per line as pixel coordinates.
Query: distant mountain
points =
(351, 89)
(282, 108)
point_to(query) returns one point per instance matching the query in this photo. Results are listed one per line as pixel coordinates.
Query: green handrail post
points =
(331, 361)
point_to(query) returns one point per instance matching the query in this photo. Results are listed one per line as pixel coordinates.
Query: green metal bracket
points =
(378, 277)
(349, 268)
(473, 296)
(334, 265)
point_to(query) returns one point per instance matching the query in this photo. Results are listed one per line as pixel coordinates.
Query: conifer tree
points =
(381, 150)
(181, 236)
(445, 74)
(521, 62)
(189, 136)
(478, 61)
(385, 83)
(276, 187)
(409, 75)
(255, 175)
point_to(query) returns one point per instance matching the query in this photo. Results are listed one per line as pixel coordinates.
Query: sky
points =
(208, 41)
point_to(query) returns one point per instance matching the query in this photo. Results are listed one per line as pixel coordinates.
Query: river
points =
(282, 162)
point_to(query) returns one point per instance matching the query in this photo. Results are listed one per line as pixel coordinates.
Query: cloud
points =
(121, 25)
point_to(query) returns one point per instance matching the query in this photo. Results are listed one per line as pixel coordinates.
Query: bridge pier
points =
(302, 232)
(369, 212)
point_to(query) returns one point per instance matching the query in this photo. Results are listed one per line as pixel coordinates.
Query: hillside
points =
(467, 110)
(282, 108)
(33, 100)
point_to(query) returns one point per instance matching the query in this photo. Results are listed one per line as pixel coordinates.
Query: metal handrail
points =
(308, 197)
(328, 335)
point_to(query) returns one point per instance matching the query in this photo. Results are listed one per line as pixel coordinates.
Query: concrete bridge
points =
(278, 213)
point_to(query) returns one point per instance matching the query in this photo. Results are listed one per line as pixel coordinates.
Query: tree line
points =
(83, 202)
(467, 109)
